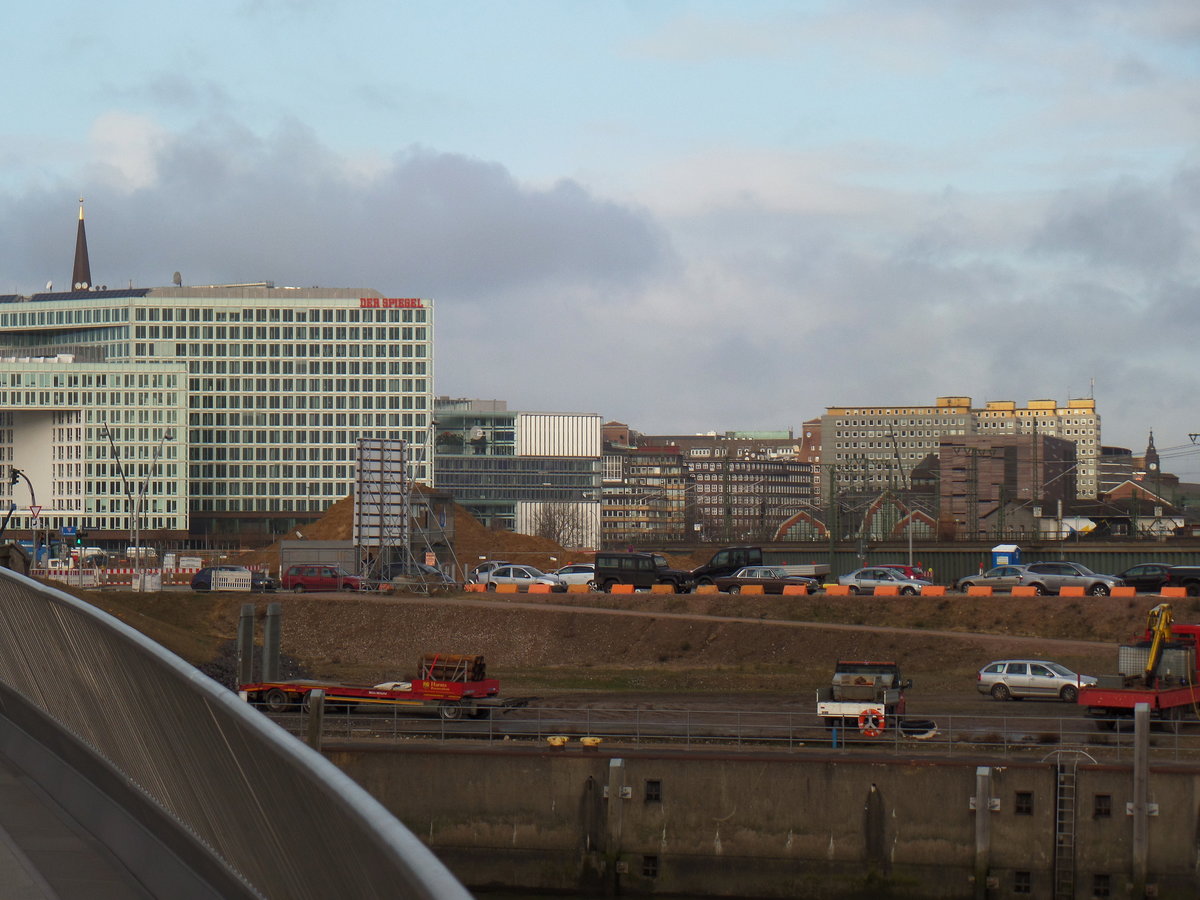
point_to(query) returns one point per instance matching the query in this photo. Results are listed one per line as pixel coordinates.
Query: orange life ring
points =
(871, 722)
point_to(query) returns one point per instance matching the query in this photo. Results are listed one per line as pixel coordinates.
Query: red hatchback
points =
(911, 571)
(319, 578)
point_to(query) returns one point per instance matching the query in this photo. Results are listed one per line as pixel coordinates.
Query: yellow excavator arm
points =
(1158, 623)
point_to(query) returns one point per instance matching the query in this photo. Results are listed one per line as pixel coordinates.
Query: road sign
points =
(68, 530)
(35, 511)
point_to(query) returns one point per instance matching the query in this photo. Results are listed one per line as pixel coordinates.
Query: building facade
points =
(990, 482)
(272, 388)
(874, 448)
(531, 472)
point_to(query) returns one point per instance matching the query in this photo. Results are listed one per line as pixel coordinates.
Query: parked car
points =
(998, 578)
(478, 575)
(909, 571)
(726, 561)
(259, 581)
(773, 580)
(319, 577)
(864, 581)
(578, 573)
(522, 577)
(1186, 577)
(1012, 679)
(642, 570)
(1146, 578)
(1052, 577)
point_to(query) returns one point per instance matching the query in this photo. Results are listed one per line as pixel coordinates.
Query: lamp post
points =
(15, 475)
(136, 502)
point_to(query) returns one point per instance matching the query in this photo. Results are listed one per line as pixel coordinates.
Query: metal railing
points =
(945, 735)
(183, 763)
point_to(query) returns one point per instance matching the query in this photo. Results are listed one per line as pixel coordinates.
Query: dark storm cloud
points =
(224, 205)
(1131, 225)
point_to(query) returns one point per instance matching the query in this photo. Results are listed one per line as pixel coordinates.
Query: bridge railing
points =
(152, 756)
(947, 735)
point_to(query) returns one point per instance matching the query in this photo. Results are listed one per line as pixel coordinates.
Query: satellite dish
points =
(177, 280)
(476, 433)
(49, 285)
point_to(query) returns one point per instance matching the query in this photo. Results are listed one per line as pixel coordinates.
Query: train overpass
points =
(124, 772)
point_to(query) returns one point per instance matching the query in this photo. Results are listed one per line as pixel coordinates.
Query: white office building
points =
(238, 407)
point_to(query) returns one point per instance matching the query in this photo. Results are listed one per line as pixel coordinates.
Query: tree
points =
(563, 523)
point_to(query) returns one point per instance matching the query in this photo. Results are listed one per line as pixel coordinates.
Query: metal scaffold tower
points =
(386, 506)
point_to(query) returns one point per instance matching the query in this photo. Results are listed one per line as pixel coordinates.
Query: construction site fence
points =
(197, 794)
(121, 576)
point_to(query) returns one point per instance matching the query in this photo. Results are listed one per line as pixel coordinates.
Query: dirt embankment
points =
(654, 643)
(687, 643)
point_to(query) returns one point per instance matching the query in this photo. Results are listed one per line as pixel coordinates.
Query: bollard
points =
(271, 632)
(314, 706)
(245, 645)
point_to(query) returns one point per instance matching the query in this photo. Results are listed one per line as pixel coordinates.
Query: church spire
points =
(81, 276)
(1151, 454)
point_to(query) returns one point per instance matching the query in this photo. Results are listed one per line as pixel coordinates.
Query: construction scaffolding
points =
(396, 527)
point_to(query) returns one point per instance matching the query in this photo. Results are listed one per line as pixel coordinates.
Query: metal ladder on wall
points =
(1066, 763)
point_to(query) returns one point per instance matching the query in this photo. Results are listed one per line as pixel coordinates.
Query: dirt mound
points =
(473, 542)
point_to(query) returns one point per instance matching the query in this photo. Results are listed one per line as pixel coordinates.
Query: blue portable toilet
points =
(1006, 555)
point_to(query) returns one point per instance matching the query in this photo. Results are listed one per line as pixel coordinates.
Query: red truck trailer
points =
(1158, 669)
(452, 685)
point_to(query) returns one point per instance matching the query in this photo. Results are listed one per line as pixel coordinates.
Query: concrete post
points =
(245, 645)
(983, 829)
(271, 631)
(314, 705)
(1141, 795)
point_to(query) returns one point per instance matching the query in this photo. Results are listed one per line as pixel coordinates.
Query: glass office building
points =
(260, 393)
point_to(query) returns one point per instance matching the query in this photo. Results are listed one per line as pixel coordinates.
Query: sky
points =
(687, 217)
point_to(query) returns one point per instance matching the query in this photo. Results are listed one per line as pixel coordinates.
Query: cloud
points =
(719, 308)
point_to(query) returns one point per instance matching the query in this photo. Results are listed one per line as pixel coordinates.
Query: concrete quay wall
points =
(797, 825)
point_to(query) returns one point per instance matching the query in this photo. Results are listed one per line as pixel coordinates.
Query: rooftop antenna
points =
(177, 280)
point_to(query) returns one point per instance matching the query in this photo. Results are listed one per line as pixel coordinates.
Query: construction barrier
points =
(475, 588)
(1071, 590)
(662, 589)
(707, 589)
(933, 590)
(979, 590)
(579, 588)
(621, 589)
(837, 590)
(1125, 590)
(887, 590)
(1171, 591)
(752, 589)
(505, 588)
(795, 589)
(1024, 590)
(538, 588)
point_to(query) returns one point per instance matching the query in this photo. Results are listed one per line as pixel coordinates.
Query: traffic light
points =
(14, 474)
(79, 538)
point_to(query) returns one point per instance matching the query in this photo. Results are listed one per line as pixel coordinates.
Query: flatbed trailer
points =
(1158, 669)
(451, 686)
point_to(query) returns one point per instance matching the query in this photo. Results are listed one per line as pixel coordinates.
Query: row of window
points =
(275, 314)
(314, 351)
(393, 334)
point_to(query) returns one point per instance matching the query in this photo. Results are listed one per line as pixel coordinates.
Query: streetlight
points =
(135, 505)
(15, 475)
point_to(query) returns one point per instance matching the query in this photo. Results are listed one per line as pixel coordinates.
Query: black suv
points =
(726, 562)
(642, 570)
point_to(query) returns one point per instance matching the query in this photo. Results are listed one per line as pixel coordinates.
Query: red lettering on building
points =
(390, 303)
